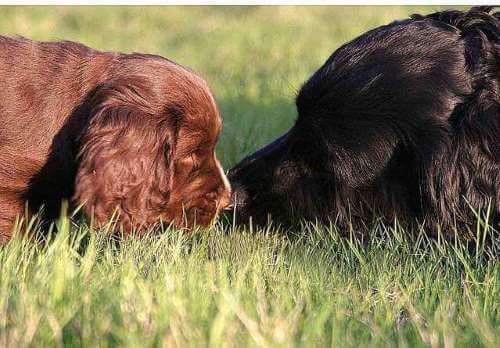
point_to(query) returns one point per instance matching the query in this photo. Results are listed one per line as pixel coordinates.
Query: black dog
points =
(401, 122)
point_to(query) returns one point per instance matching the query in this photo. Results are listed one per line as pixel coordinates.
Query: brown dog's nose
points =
(224, 198)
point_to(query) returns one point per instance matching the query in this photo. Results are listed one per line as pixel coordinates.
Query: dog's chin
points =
(194, 218)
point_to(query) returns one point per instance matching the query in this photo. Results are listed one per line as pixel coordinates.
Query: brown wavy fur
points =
(131, 134)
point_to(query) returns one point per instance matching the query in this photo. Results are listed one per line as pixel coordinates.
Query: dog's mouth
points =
(202, 213)
(239, 198)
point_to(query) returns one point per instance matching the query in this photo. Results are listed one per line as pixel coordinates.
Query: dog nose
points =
(239, 197)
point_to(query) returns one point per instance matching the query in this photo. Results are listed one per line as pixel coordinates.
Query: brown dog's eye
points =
(195, 162)
(166, 150)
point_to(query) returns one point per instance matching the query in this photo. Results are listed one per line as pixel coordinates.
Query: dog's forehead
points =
(207, 126)
(199, 130)
(204, 116)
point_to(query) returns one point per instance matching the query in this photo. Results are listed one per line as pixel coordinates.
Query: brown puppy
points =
(131, 134)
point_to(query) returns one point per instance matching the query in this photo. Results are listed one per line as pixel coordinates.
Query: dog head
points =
(148, 153)
(370, 122)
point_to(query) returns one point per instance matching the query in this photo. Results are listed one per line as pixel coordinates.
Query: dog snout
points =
(239, 197)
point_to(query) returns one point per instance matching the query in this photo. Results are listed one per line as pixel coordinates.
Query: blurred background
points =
(254, 58)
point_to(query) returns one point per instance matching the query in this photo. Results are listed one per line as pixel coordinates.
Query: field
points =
(236, 287)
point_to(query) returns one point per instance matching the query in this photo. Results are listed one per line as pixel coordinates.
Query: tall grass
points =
(240, 287)
(225, 287)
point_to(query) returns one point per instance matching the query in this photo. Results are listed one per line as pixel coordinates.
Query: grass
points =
(225, 287)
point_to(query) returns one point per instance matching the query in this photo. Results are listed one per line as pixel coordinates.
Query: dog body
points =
(401, 122)
(131, 134)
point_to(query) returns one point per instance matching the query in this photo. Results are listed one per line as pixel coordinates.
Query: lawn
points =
(240, 287)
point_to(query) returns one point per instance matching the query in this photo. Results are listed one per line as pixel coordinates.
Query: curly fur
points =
(403, 122)
(125, 134)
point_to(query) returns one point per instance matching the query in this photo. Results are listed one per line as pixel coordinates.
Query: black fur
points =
(403, 122)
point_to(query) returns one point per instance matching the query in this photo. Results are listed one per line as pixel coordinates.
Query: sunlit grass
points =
(240, 287)
(228, 287)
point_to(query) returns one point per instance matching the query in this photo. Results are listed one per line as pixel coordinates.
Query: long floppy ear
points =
(125, 161)
(354, 151)
(369, 101)
(357, 143)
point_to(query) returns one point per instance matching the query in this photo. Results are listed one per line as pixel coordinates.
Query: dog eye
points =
(166, 150)
(195, 162)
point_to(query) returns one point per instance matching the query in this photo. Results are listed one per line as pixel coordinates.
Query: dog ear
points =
(125, 160)
(356, 124)
(374, 97)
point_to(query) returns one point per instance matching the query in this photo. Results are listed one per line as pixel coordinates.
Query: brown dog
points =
(131, 134)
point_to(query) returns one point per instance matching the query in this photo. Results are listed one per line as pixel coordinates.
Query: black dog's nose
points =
(238, 196)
